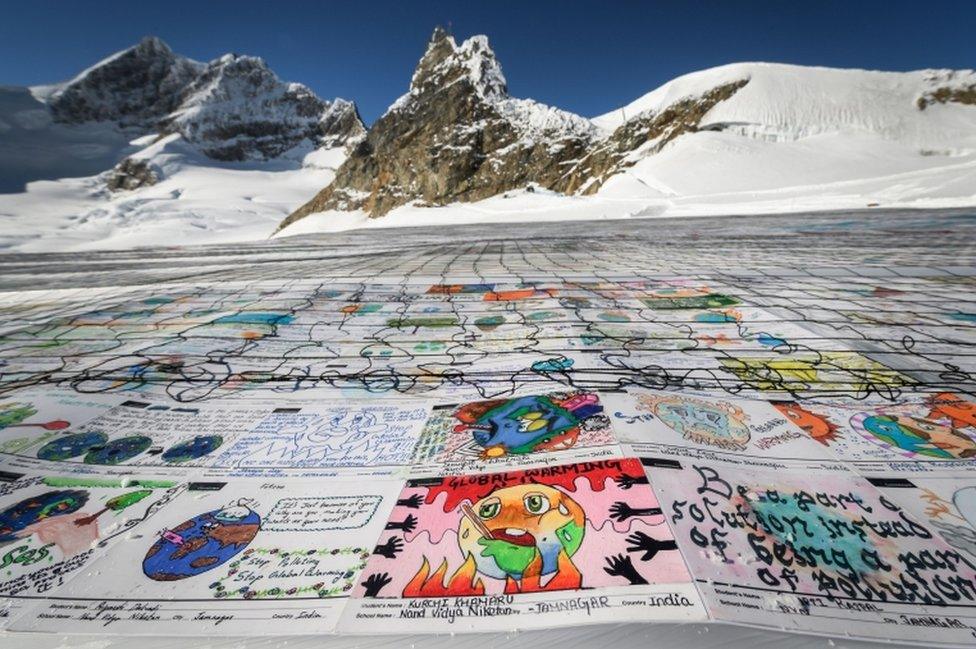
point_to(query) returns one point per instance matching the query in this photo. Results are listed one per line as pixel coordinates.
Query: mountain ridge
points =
(233, 108)
(434, 144)
(455, 135)
(244, 151)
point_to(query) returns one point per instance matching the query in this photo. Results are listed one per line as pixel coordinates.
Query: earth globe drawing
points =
(69, 446)
(20, 516)
(201, 543)
(192, 449)
(118, 450)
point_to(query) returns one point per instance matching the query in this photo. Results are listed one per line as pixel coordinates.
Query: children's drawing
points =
(687, 298)
(521, 425)
(960, 412)
(826, 372)
(918, 429)
(69, 446)
(561, 528)
(331, 436)
(14, 414)
(965, 501)
(914, 436)
(828, 533)
(94, 447)
(949, 508)
(817, 426)
(302, 543)
(63, 518)
(715, 423)
(454, 289)
(192, 449)
(508, 530)
(55, 517)
(45, 515)
(118, 450)
(201, 543)
(18, 433)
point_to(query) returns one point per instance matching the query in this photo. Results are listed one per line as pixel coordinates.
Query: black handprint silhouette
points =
(389, 549)
(627, 481)
(413, 502)
(375, 583)
(408, 525)
(620, 565)
(640, 542)
(621, 511)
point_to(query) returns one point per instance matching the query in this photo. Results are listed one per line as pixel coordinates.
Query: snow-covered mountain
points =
(237, 109)
(148, 146)
(456, 135)
(135, 143)
(742, 137)
(809, 137)
(233, 108)
(134, 88)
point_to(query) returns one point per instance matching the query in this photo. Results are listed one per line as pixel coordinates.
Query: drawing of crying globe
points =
(69, 446)
(504, 530)
(192, 449)
(529, 424)
(202, 543)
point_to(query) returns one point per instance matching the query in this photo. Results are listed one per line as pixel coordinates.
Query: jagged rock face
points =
(947, 95)
(455, 136)
(237, 109)
(233, 108)
(134, 88)
(646, 133)
(458, 136)
(340, 124)
(131, 174)
(949, 87)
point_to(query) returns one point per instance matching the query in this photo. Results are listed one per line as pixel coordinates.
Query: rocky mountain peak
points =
(238, 109)
(152, 45)
(446, 63)
(456, 135)
(222, 74)
(233, 108)
(133, 88)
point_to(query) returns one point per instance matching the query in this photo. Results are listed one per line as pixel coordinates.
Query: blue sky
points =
(588, 57)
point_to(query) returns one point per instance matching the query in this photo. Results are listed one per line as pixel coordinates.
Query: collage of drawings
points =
(415, 338)
(120, 513)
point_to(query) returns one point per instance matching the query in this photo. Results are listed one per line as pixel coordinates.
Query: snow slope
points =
(788, 102)
(34, 147)
(198, 200)
(792, 139)
(232, 150)
(804, 133)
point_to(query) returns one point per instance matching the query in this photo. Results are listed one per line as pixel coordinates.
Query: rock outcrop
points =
(645, 134)
(949, 87)
(233, 108)
(134, 88)
(238, 109)
(949, 95)
(131, 174)
(455, 136)
(458, 136)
